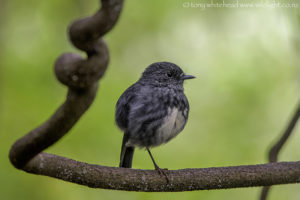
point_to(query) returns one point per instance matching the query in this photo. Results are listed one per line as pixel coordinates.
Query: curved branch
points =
(97, 176)
(80, 75)
(84, 32)
(52, 130)
(275, 149)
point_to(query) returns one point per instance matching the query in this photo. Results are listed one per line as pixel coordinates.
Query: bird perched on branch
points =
(153, 110)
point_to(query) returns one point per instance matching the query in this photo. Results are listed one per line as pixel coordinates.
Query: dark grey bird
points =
(153, 110)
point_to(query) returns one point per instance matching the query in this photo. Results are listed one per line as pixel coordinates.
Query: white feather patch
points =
(172, 125)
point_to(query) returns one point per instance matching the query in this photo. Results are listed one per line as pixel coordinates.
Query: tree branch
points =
(81, 75)
(97, 176)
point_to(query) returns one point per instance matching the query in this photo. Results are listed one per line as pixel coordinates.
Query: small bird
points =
(152, 111)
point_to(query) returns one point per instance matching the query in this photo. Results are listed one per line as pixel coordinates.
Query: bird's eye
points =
(169, 74)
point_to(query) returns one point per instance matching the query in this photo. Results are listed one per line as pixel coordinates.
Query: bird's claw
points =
(163, 172)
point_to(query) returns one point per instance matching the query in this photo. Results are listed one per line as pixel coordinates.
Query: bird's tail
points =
(126, 153)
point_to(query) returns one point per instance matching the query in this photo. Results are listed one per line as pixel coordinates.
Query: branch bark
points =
(81, 75)
(97, 176)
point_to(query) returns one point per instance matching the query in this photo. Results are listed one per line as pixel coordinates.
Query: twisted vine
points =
(81, 76)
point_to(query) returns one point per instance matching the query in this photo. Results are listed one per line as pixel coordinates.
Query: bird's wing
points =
(123, 106)
(146, 112)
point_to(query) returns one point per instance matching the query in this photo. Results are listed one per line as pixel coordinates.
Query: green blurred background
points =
(247, 66)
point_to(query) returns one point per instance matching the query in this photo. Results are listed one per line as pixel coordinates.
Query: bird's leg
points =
(160, 171)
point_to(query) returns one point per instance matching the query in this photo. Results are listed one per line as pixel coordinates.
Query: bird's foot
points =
(163, 172)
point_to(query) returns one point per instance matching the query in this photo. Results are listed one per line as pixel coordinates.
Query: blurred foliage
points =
(247, 67)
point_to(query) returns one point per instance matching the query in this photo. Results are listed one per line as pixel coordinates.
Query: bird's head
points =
(164, 74)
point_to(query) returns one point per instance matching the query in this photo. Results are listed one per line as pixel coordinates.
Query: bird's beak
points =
(184, 77)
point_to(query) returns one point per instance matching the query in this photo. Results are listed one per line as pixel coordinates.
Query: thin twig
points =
(275, 149)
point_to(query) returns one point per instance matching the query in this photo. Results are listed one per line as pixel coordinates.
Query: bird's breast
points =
(172, 124)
